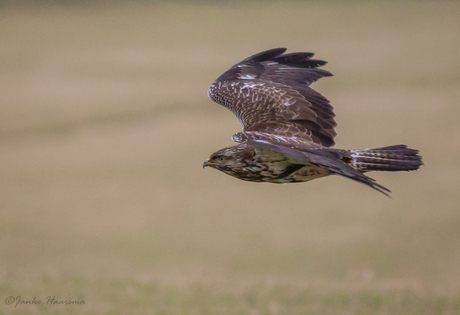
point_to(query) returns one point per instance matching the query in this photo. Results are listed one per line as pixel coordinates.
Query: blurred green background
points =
(105, 123)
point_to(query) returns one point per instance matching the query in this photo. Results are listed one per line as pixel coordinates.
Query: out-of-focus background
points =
(105, 123)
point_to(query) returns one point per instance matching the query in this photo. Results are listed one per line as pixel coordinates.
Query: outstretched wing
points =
(270, 92)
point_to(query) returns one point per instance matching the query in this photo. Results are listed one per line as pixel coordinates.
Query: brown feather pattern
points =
(288, 128)
(270, 92)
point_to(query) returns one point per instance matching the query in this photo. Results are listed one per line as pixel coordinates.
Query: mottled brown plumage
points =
(288, 128)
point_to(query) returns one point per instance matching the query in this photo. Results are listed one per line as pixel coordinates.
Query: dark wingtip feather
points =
(298, 55)
(314, 63)
(299, 60)
(381, 189)
(266, 55)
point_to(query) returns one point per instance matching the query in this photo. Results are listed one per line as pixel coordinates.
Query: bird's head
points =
(231, 160)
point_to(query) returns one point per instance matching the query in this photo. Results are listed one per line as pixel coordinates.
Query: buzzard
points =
(288, 128)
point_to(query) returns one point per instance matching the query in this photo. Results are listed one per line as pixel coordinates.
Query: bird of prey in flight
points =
(288, 128)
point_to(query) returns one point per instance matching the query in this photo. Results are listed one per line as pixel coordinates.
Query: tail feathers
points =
(393, 158)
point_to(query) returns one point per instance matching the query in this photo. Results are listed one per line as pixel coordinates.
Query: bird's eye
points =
(221, 158)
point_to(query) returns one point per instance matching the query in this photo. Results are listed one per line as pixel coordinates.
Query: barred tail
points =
(393, 158)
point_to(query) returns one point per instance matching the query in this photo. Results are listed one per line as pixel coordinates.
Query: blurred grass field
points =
(105, 123)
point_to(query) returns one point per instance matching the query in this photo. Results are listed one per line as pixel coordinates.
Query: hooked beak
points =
(206, 163)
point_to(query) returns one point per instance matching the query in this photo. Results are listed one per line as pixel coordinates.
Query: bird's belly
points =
(306, 173)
